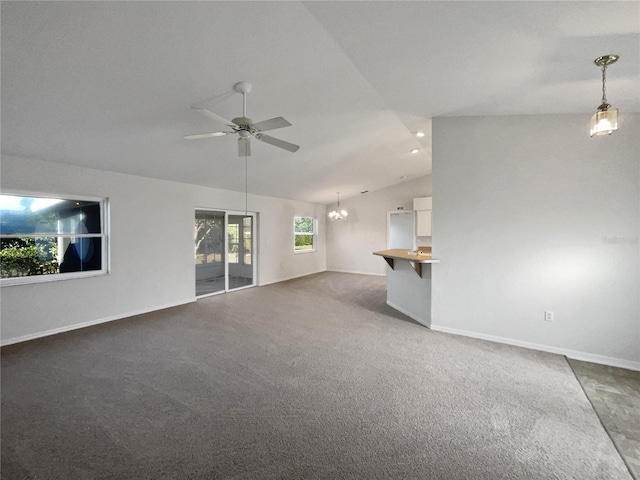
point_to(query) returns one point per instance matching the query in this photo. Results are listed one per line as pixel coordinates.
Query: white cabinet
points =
(423, 207)
(423, 223)
(423, 203)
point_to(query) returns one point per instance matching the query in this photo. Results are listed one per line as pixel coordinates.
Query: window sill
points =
(305, 251)
(54, 277)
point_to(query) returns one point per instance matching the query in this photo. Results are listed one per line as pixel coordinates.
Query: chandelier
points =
(338, 214)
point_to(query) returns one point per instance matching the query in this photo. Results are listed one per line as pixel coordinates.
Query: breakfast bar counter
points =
(409, 282)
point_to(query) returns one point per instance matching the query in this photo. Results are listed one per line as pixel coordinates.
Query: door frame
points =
(225, 253)
(254, 263)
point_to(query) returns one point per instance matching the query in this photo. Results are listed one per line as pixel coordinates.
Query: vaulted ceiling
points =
(109, 85)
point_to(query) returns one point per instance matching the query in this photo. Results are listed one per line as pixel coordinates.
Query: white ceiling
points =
(108, 85)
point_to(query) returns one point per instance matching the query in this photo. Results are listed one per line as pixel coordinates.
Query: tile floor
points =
(615, 396)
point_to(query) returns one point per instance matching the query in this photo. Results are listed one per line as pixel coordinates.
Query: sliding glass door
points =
(224, 251)
(240, 251)
(210, 247)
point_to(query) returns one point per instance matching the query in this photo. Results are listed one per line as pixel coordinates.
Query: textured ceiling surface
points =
(109, 85)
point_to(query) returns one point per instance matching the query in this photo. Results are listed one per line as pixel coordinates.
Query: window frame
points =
(314, 246)
(104, 236)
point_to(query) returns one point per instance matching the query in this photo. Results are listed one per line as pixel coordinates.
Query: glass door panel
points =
(240, 251)
(209, 252)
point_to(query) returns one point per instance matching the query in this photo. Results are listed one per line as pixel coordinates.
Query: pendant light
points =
(604, 121)
(338, 214)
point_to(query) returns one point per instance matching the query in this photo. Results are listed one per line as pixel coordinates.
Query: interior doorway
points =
(224, 251)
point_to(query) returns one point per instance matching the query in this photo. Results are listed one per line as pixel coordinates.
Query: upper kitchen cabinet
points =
(423, 207)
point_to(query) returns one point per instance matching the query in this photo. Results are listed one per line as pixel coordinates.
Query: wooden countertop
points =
(415, 260)
(403, 254)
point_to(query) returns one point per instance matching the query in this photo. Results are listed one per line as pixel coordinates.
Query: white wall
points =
(351, 243)
(151, 240)
(531, 214)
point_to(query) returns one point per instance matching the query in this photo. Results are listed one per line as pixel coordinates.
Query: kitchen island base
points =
(410, 294)
(409, 283)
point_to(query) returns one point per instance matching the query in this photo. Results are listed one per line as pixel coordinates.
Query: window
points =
(304, 233)
(51, 238)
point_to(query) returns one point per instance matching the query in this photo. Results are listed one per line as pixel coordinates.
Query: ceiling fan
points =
(245, 128)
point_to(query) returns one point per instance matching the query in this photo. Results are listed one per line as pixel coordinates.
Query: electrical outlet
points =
(548, 316)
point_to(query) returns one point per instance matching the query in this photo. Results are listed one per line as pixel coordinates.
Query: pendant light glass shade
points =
(604, 121)
(338, 213)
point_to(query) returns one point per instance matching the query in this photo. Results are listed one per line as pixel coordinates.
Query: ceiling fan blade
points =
(206, 135)
(276, 142)
(271, 124)
(244, 147)
(214, 116)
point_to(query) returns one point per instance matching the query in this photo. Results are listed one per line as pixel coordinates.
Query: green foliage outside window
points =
(303, 224)
(304, 242)
(20, 257)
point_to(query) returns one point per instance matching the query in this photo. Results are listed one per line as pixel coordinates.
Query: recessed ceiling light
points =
(365, 191)
(415, 150)
(419, 134)
(403, 177)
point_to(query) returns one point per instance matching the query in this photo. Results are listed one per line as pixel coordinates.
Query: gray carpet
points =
(310, 378)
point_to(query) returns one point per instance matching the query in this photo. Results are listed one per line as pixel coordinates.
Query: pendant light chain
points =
(604, 81)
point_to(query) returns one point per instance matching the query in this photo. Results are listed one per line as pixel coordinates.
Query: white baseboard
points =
(584, 356)
(46, 333)
(262, 284)
(358, 273)
(408, 314)
(319, 271)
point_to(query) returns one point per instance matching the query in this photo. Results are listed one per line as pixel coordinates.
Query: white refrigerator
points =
(401, 229)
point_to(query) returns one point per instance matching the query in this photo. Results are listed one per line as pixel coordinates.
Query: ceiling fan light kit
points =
(605, 120)
(245, 128)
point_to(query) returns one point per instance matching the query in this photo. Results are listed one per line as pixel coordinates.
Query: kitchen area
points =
(409, 260)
